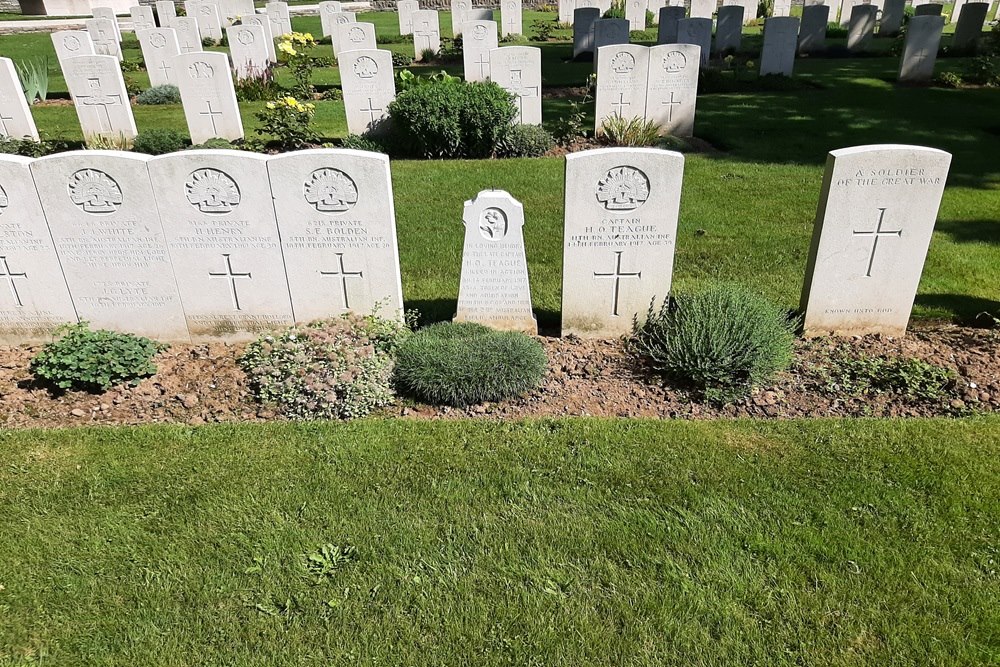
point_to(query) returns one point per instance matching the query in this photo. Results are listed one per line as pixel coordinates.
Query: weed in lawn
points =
(848, 374)
(325, 562)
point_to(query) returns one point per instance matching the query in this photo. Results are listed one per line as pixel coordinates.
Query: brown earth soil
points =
(198, 384)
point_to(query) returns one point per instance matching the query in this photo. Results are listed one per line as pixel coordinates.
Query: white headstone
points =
(281, 19)
(619, 235)
(892, 17)
(621, 83)
(518, 70)
(209, 19)
(458, 9)
(510, 17)
(105, 37)
(426, 33)
(781, 36)
(729, 29)
(338, 232)
(494, 289)
(405, 8)
(208, 96)
(969, 28)
(673, 87)
(862, 28)
(696, 31)
(876, 214)
(608, 32)
(479, 38)
(635, 14)
(666, 30)
(923, 37)
(34, 299)
(956, 10)
(248, 50)
(166, 12)
(70, 43)
(98, 90)
(812, 31)
(583, 30)
(15, 117)
(338, 19)
(702, 9)
(355, 37)
(218, 221)
(367, 79)
(142, 18)
(159, 46)
(107, 233)
(846, 7)
(188, 34)
(263, 22)
(566, 9)
(109, 14)
(782, 8)
(327, 15)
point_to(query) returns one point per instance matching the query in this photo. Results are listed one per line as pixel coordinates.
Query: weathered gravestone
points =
(619, 235)
(928, 9)
(338, 232)
(15, 117)
(219, 226)
(608, 32)
(729, 29)
(458, 9)
(355, 37)
(166, 12)
(426, 33)
(518, 70)
(696, 31)
(702, 9)
(70, 43)
(480, 37)
(405, 8)
(861, 30)
(672, 88)
(247, 48)
(892, 17)
(635, 14)
(142, 18)
(510, 17)
(188, 34)
(494, 289)
(367, 79)
(583, 30)
(970, 26)
(873, 227)
(159, 47)
(107, 234)
(781, 36)
(621, 83)
(328, 11)
(280, 18)
(209, 96)
(34, 299)
(262, 21)
(105, 38)
(666, 30)
(338, 19)
(566, 10)
(109, 14)
(812, 31)
(209, 19)
(98, 90)
(923, 37)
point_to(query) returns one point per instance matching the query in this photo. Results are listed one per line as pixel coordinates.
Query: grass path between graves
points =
(572, 542)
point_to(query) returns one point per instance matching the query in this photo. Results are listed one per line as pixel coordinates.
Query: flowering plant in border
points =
(291, 51)
(289, 121)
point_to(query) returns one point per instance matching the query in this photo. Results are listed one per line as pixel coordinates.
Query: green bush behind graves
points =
(159, 142)
(526, 141)
(165, 94)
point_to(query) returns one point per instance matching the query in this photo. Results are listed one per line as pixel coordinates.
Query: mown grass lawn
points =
(578, 542)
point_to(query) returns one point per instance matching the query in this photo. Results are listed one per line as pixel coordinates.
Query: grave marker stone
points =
(566, 11)
(220, 230)
(188, 34)
(782, 8)
(812, 31)
(478, 15)
(729, 29)
(956, 10)
(338, 232)
(368, 83)
(619, 234)
(702, 9)
(328, 11)
(34, 298)
(458, 9)
(264, 23)
(583, 30)
(105, 39)
(696, 31)
(247, 48)
(969, 28)
(635, 14)
(208, 96)
(862, 28)
(672, 93)
(355, 37)
(209, 19)
(338, 19)
(98, 90)
(109, 240)
(928, 9)
(15, 116)
(518, 69)
(666, 31)
(480, 37)
(405, 8)
(781, 36)
(159, 46)
(846, 7)
(494, 289)
(70, 43)
(608, 32)
(109, 14)
(510, 17)
(281, 19)
(621, 83)
(892, 17)
(142, 18)
(923, 37)
(873, 226)
(426, 33)
(166, 12)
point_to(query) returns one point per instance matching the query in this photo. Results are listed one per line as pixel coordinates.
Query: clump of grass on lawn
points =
(913, 378)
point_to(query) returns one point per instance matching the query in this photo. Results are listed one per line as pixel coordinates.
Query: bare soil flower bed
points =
(198, 384)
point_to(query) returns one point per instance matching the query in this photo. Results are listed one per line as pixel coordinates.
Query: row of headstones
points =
(231, 244)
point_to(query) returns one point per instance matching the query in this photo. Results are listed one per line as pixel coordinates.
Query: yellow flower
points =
(271, 105)
(286, 47)
(291, 101)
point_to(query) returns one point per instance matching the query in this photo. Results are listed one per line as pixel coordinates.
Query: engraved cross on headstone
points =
(98, 99)
(343, 274)
(876, 235)
(425, 33)
(231, 276)
(521, 91)
(921, 56)
(211, 115)
(165, 68)
(3, 123)
(10, 275)
(671, 103)
(371, 111)
(620, 104)
(512, 24)
(617, 275)
(484, 65)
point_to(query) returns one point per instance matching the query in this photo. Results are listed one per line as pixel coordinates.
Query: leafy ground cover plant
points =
(158, 142)
(166, 94)
(465, 363)
(526, 141)
(849, 374)
(95, 360)
(619, 131)
(721, 341)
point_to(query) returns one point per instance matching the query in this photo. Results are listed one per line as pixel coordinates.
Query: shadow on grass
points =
(968, 310)
(971, 231)
(442, 310)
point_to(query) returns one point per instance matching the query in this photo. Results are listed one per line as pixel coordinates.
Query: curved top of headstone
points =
(198, 153)
(853, 150)
(623, 151)
(487, 199)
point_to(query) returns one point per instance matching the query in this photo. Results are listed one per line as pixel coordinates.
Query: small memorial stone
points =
(702, 9)
(781, 36)
(70, 43)
(327, 16)
(892, 17)
(105, 38)
(107, 234)
(619, 234)
(458, 9)
(782, 8)
(405, 8)
(338, 232)
(159, 46)
(479, 38)
(426, 33)
(874, 223)
(510, 17)
(583, 30)
(969, 28)
(696, 31)
(673, 88)
(247, 48)
(281, 19)
(166, 12)
(566, 10)
(518, 70)
(188, 34)
(367, 79)
(209, 19)
(812, 32)
(263, 22)
(635, 14)
(666, 30)
(98, 90)
(923, 37)
(621, 83)
(729, 29)
(142, 18)
(338, 19)
(494, 289)
(109, 14)
(208, 96)
(355, 37)
(15, 116)
(862, 28)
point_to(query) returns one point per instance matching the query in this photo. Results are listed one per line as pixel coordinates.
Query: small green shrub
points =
(401, 59)
(95, 360)
(289, 122)
(948, 80)
(361, 142)
(442, 119)
(215, 143)
(132, 65)
(464, 364)
(916, 379)
(331, 369)
(721, 341)
(333, 95)
(572, 125)
(527, 141)
(30, 148)
(542, 30)
(34, 76)
(982, 70)
(619, 131)
(209, 42)
(166, 94)
(616, 11)
(159, 141)
(256, 84)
